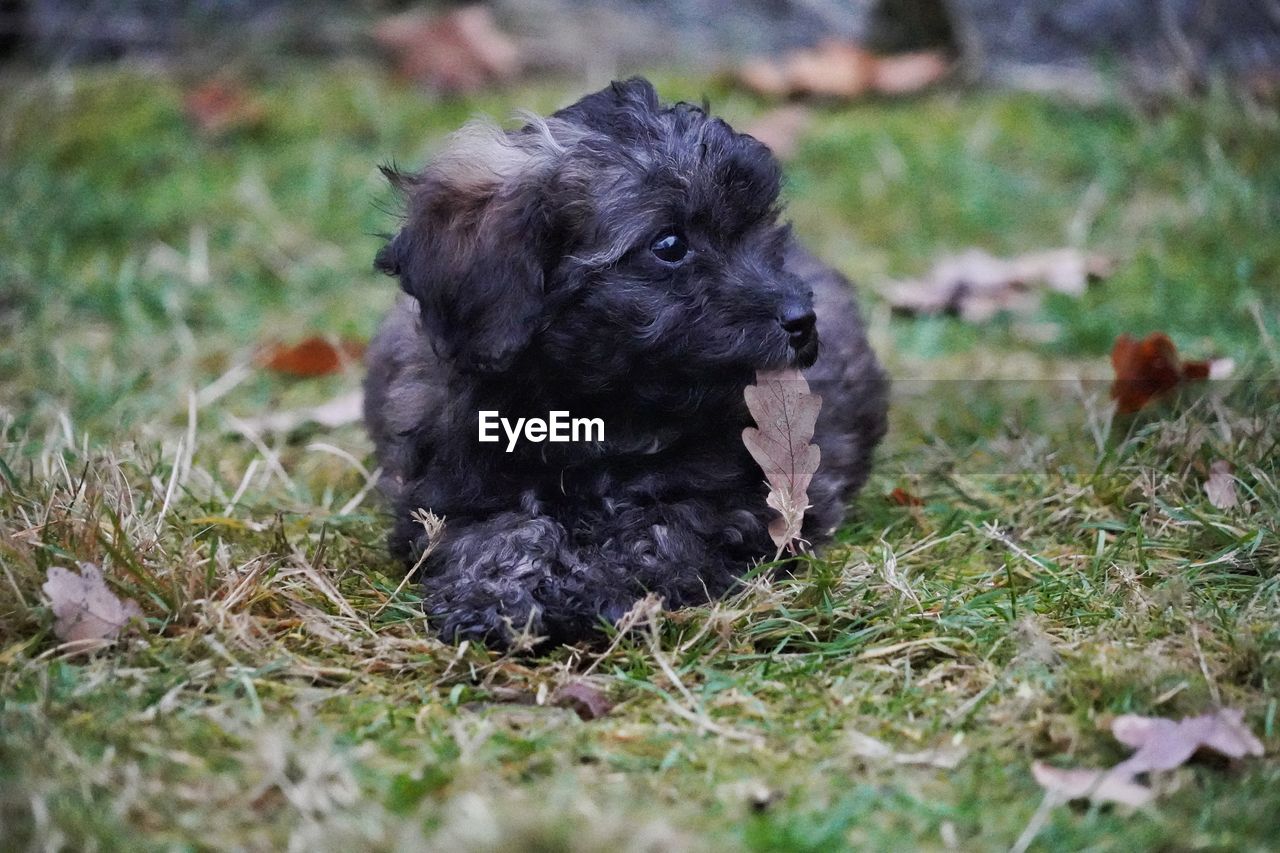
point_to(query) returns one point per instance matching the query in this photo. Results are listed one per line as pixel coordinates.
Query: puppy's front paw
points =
(494, 626)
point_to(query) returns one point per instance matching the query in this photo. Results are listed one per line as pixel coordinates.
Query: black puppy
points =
(620, 260)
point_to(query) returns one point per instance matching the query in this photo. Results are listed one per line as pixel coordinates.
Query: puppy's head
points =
(618, 237)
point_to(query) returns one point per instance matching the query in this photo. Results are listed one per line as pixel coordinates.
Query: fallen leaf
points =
(832, 69)
(84, 607)
(1101, 786)
(901, 497)
(977, 286)
(906, 73)
(781, 129)
(587, 701)
(764, 77)
(315, 356)
(1160, 744)
(219, 106)
(1148, 369)
(458, 51)
(843, 70)
(346, 408)
(1221, 485)
(1163, 744)
(785, 414)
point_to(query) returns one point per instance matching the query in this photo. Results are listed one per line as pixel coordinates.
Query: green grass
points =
(1065, 566)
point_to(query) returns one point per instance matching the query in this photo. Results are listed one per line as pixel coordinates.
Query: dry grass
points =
(285, 692)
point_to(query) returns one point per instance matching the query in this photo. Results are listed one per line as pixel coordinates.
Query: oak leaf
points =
(584, 699)
(1221, 485)
(86, 612)
(1151, 368)
(843, 70)
(1159, 744)
(905, 73)
(976, 286)
(785, 413)
(315, 356)
(1163, 744)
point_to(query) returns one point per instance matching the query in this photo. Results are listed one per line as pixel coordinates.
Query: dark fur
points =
(532, 288)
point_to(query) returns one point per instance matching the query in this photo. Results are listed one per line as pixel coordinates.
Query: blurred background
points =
(1164, 45)
(189, 188)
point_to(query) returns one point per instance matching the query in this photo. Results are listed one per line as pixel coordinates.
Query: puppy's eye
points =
(670, 248)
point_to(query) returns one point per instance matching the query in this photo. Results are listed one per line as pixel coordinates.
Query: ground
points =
(1065, 565)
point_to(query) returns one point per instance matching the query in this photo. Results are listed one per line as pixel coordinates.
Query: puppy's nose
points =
(798, 321)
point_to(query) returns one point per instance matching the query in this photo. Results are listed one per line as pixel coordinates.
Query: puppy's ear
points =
(474, 243)
(624, 107)
(637, 92)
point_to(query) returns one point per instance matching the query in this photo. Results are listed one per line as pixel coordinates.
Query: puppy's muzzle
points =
(799, 322)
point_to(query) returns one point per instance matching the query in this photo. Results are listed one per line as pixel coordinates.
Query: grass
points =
(1065, 566)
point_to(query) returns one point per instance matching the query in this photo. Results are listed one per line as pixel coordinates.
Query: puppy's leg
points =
(482, 581)
(684, 552)
(518, 571)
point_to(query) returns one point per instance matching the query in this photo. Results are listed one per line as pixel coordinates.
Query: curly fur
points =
(530, 288)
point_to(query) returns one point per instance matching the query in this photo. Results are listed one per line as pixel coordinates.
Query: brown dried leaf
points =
(584, 699)
(84, 607)
(906, 73)
(843, 70)
(1151, 368)
(1161, 744)
(1144, 369)
(459, 51)
(1221, 485)
(901, 497)
(977, 286)
(315, 356)
(785, 413)
(219, 106)
(832, 69)
(764, 77)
